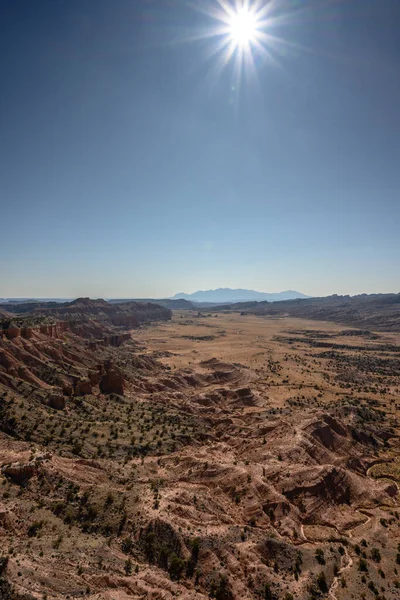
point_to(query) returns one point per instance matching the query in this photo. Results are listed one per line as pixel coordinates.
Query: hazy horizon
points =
(111, 295)
(169, 296)
(133, 164)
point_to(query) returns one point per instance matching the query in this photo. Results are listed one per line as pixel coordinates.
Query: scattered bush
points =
(322, 583)
(34, 529)
(376, 555)
(363, 565)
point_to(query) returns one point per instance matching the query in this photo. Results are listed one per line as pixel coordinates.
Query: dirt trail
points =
(347, 563)
(364, 512)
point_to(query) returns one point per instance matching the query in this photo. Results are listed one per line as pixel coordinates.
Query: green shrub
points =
(220, 589)
(363, 565)
(376, 555)
(127, 545)
(3, 564)
(34, 529)
(322, 583)
(128, 566)
(176, 567)
(194, 557)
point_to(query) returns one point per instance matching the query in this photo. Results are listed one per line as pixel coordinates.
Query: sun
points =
(243, 33)
(243, 27)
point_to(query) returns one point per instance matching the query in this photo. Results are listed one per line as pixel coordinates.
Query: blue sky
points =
(130, 168)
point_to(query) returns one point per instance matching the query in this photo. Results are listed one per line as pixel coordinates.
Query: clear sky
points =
(130, 166)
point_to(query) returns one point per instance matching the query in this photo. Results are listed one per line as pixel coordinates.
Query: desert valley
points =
(229, 453)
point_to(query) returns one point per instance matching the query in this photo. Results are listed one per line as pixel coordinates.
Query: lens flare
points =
(241, 34)
(246, 34)
(243, 27)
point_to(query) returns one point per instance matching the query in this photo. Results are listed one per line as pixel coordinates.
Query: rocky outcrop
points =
(57, 401)
(116, 340)
(83, 387)
(25, 327)
(27, 332)
(68, 389)
(94, 377)
(54, 331)
(128, 321)
(112, 381)
(12, 332)
(20, 472)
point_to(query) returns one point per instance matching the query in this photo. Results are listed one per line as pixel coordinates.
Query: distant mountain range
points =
(182, 301)
(227, 295)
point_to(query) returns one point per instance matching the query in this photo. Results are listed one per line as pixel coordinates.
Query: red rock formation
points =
(83, 387)
(20, 472)
(12, 332)
(55, 330)
(112, 382)
(125, 321)
(117, 339)
(27, 332)
(67, 389)
(94, 377)
(57, 401)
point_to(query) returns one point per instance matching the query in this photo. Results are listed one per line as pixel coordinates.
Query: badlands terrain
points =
(150, 454)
